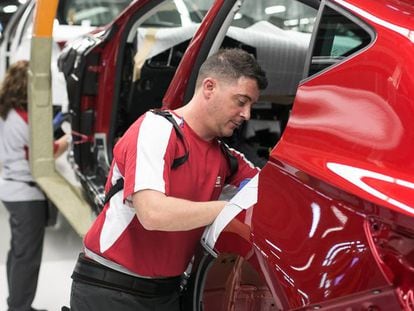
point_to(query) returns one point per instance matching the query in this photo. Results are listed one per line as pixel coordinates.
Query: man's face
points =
(230, 104)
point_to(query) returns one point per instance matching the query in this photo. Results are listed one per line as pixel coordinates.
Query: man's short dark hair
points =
(232, 64)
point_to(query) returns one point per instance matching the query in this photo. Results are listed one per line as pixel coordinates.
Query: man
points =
(143, 240)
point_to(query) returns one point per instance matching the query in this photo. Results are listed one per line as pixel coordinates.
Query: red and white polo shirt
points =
(143, 157)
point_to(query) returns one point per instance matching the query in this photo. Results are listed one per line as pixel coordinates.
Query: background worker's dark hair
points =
(13, 90)
(232, 64)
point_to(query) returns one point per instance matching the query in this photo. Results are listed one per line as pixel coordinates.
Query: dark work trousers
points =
(87, 297)
(27, 223)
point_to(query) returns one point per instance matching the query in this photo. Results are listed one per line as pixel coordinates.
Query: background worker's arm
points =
(60, 146)
(156, 211)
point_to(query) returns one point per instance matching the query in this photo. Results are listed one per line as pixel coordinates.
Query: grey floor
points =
(61, 249)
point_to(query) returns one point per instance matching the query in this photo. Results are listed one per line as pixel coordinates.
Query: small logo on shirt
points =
(218, 182)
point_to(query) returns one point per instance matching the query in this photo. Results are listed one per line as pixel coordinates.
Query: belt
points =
(89, 271)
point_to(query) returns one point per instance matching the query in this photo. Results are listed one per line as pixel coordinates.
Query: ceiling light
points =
(275, 9)
(291, 22)
(238, 16)
(10, 9)
(304, 21)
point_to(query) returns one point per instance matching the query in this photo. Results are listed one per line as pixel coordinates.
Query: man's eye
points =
(241, 102)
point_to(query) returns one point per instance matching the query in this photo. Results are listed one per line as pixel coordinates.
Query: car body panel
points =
(320, 251)
(335, 136)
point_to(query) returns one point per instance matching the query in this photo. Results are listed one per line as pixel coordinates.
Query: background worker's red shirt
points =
(143, 157)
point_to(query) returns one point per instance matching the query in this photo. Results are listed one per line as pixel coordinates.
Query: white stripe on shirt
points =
(152, 142)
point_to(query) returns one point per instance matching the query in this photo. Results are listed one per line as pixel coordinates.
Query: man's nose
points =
(245, 113)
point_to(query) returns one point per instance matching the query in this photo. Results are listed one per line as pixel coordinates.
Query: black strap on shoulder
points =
(119, 185)
(166, 114)
(231, 159)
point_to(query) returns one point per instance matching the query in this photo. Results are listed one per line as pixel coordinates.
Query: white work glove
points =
(244, 199)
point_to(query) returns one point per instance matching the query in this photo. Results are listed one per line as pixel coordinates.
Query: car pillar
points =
(65, 196)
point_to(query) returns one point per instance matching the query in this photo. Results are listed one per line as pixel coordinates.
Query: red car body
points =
(333, 226)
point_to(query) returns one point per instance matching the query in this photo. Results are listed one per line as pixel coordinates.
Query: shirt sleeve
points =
(148, 155)
(55, 147)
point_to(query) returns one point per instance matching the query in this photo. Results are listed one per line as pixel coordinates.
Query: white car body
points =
(18, 34)
(19, 44)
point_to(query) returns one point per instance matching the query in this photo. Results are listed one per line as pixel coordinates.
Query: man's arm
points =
(156, 211)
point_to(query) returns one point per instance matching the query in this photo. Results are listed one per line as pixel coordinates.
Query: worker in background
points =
(143, 240)
(23, 199)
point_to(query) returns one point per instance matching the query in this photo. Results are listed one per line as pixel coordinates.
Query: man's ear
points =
(209, 85)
